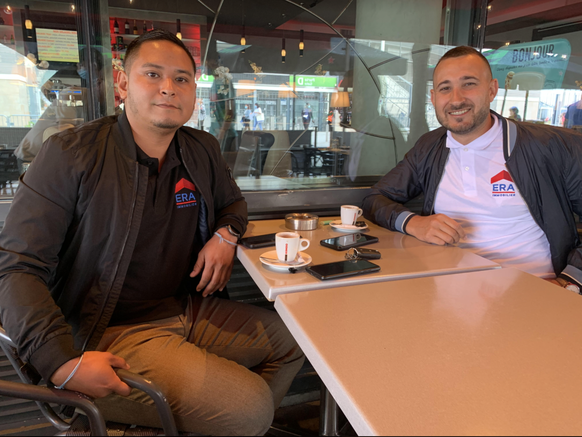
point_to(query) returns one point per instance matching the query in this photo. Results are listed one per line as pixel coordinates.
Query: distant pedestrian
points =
(259, 117)
(306, 116)
(201, 115)
(513, 114)
(246, 118)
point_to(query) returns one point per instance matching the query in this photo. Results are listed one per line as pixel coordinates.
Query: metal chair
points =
(43, 396)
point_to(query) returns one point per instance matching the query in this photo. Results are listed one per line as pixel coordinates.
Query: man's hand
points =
(95, 376)
(216, 259)
(436, 229)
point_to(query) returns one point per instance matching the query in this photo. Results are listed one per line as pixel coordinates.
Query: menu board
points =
(57, 45)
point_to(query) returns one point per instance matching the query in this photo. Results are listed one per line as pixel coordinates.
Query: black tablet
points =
(342, 269)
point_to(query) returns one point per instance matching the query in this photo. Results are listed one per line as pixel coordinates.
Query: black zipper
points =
(133, 202)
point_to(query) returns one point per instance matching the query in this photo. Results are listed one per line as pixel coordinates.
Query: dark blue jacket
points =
(544, 162)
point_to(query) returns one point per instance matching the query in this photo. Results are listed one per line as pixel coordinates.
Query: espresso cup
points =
(288, 244)
(350, 214)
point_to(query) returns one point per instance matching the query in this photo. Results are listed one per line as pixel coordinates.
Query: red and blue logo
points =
(502, 185)
(185, 194)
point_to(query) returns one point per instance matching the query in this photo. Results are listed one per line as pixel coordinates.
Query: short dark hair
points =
(153, 35)
(460, 51)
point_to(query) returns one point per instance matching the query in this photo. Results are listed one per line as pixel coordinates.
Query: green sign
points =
(315, 81)
(547, 59)
(204, 78)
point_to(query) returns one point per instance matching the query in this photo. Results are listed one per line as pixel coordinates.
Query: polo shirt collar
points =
(172, 159)
(480, 143)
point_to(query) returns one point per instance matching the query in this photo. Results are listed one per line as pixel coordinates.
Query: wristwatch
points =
(232, 232)
(572, 287)
(568, 285)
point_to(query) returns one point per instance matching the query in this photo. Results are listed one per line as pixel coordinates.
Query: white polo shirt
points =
(478, 192)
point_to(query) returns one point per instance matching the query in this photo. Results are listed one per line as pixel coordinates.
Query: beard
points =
(466, 126)
(166, 124)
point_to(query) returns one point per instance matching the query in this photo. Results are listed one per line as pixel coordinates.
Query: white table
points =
(402, 257)
(495, 353)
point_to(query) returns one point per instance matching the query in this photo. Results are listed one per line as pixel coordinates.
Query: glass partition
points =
(538, 61)
(318, 96)
(312, 100)
(50, 80)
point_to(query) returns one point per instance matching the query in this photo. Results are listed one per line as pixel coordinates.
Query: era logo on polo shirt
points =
(502, 185)
(185, 194)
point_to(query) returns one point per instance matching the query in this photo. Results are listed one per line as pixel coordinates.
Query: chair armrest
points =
(148, 387)
(66, 397)
(54, 396)
(5, 339)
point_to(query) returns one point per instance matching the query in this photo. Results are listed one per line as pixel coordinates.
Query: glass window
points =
(536, 55)
(46, 71)
(321, 95)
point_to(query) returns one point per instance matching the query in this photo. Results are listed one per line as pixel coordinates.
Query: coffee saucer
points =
(337, 225)
(270, 259)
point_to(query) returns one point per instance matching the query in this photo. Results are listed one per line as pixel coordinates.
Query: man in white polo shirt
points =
(507, 191)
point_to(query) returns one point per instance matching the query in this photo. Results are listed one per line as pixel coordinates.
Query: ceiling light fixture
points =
(8, 10)
(301, 42)
(27, 23)
(178, 29)
(243, 38)
(283, 52)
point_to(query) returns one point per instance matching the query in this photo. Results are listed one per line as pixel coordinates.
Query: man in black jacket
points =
(113, 227)
(508, 191)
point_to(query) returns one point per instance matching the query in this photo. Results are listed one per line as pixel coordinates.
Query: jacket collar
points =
(509, 134)
(124, 137)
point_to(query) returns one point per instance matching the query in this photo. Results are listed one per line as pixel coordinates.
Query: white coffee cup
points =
(350, 214)
(288, 244)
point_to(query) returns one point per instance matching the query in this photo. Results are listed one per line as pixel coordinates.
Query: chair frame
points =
(30, 390)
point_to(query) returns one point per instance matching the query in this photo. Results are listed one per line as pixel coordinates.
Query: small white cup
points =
(288, 244)
(350, 214)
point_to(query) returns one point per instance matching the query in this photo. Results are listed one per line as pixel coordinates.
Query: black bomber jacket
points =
(544, 162)
(71, 230)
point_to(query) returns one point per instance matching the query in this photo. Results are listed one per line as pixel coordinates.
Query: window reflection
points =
(351, 98)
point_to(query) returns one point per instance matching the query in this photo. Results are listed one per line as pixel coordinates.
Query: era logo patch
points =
(185, 194)
(502, 185)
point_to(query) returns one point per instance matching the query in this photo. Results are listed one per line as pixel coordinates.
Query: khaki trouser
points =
(223, 366)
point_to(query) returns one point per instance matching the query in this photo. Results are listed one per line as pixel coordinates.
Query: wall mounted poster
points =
(57, 45)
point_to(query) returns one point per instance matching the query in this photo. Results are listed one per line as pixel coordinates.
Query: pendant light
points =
(27, 23)
(178, 29)
(243, 38)
(301, 43)
(283, 52)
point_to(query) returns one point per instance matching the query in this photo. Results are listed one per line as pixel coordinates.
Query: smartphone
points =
(342, 269)
(259, 241)
(347, 241)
